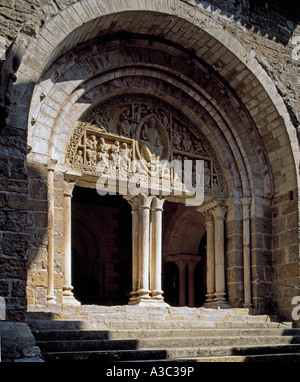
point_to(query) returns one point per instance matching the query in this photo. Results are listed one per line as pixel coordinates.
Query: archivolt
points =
(211, 43)
(135, 65)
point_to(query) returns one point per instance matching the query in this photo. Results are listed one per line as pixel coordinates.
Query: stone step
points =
(174, 353)
(162, 343)
(55, 335)
(134, 313)
(279, 357)
(166, 324)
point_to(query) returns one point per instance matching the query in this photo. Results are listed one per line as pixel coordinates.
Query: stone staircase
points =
(184, 334)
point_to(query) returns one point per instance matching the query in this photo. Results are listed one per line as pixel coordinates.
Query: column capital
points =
(157, 203)
(219, 212)
(140, 201)
(134, 201)
(145, 201)
(68, 188)
(246, 201)
(51, 165)
(208, 214)
(181, 263)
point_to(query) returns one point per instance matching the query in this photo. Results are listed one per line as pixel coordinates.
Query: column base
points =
(217, 304)
(148, 302)
(144, 297)
(51, 300)
(140, 296)
(68, 298)
(209, 298)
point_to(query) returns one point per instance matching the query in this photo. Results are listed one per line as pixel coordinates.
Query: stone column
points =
(181, 264)
(210, 256)
(143, 291)
(191, 273)
(50, 187)
(134, 202)
(68, 297)
(246, 202)
(156, 249)
(219, 218)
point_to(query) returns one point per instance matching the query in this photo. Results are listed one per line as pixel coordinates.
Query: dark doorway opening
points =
(201, 274)
(171, 284)
(101, 248)
(184, 247)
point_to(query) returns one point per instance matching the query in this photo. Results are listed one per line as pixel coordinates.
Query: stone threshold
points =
(139, 313)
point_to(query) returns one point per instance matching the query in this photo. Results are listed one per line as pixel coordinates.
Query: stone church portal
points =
(102, 103)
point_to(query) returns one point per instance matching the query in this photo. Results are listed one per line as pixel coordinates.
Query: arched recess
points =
(202, 70)
(184, 255)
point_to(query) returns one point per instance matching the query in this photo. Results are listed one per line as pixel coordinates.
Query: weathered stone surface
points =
(17, 342)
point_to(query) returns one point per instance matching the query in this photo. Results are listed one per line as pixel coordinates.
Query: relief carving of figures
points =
(151, 138)
(198, 148)
(186, 141)
(139, 167)
(100, 122)
(125, 156)
(215, 185)
(133, 132)
(124, 124)
(115, 154)
(207, 175)
(176, 137)
(91, 150)
(103, 153)
(79, 157)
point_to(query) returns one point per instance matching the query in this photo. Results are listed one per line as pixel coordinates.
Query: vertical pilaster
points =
(135, 203)
(50, 197)
(246, 202)
(210, 256)
(68, 297)
(219, 218)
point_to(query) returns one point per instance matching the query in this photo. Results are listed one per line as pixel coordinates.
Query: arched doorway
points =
(101, 248)
(210, 91)
(184, 255)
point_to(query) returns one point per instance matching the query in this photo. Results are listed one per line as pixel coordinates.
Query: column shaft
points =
(68, 297)
(219, 217)
(144, 235)
(50, 292)
(246, 251)
(210, 256)
(181, 264)
(135, 248)
(156, 249)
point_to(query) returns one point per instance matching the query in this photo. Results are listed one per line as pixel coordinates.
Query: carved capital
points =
(68, 188)
(146, 201)
(134, 201)
(209, 217)
(51, 165)
(157, 203)
(219, 212)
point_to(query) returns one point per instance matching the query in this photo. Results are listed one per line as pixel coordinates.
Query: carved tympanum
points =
(140, 134)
